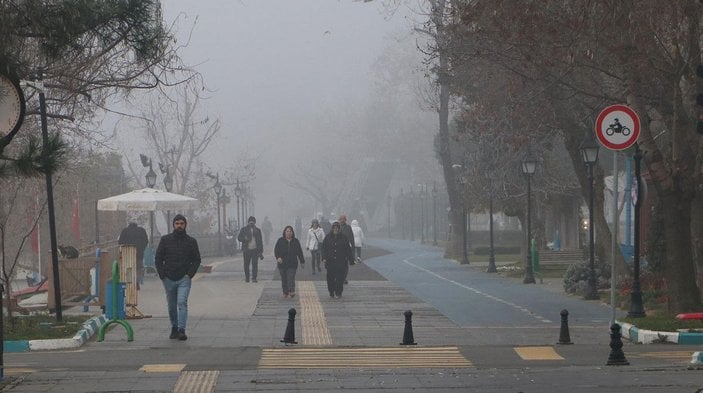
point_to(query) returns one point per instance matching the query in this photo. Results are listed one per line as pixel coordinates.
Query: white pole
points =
(614, 237)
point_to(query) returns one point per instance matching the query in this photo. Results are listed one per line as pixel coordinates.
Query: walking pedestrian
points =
(313, 243)
(252, 248)
(288, 253)
(335, 255)
(346, 230)
(325, 224)
(136, 236)
(177, 260)
(266, 229)
(358, 239)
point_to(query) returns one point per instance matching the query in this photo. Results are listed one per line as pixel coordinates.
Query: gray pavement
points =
(234, 326)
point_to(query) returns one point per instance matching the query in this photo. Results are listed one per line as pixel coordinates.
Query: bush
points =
(497, 250)
(576, 277)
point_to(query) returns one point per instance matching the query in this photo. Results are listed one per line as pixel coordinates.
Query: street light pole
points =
(151, 182)
(50, 201)
(528, 168)
(388, 202)
(636, 306)
(423, 196)
(589, 153)
(218, 191)
(168, 184)
(491, 252)
(434, 214)
(237, 194)
(412, 215)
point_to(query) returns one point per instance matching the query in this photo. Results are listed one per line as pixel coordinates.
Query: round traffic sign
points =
(617, 127)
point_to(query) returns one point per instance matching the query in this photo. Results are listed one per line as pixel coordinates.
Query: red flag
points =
(76, 226)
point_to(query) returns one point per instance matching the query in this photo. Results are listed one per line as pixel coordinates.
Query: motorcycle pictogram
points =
(616, 127)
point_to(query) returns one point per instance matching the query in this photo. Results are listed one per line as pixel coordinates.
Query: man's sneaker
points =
(174, 333)
(254, 280)
(182, 334)
(246, 279)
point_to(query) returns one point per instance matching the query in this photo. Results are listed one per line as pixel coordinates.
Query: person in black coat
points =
(336, 253)
(288, 253)
(177, 260)
(252, 248)
(136, 236)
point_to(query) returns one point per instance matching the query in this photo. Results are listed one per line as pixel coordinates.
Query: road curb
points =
(90, 327)
(642, 336)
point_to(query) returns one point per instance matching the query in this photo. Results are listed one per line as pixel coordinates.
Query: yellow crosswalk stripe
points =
(163, 368)
(401, 357)
(537, 353)
(667, 355)
(196, 382)
(312, 316)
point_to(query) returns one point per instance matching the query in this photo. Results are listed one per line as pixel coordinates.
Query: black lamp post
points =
(423, 197)
(636, 306)
(218, 191)
(491, 252)
(434, 214)
(589, 154)
(388, 204)
(464, 224)
(238, 194)
(168, 184)
(151, 182)
(528, 168)
(412, 215)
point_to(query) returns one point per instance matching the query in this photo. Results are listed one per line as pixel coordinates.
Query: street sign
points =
(617, 127)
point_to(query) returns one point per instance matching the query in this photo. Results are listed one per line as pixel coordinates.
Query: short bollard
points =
(408, 338)
(289, 336)
(617, 356)
(564, 338)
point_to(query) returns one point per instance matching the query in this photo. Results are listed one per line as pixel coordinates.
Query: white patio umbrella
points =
(147, 199)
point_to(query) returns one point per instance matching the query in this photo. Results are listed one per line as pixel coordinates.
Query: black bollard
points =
(408, 338)
(289, 337)
(564, 338)
(617, 356)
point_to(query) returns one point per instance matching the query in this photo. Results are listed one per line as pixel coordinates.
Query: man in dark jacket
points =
(347, 231)
(252, 248)
(335, 255)
(177, 260)
(136, 236)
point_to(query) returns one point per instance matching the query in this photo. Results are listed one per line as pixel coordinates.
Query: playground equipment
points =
(115, 290)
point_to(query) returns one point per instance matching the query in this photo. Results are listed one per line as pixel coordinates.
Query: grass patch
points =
(663, 323)
(43, 326)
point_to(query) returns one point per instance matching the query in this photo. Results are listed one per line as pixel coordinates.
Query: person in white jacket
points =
(358, 239)
(313, 243)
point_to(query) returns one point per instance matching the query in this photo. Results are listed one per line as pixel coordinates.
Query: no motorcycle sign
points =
(617, 127)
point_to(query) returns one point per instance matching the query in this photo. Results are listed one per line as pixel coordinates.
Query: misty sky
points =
(275, 64)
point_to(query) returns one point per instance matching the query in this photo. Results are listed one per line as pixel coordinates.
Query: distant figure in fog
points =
(252, 248)
(358, 238)
(288, 253)
(325, 224)
(136, 236)
(266, 228)
(298, 225)
(336, 253)
(313, 243)
(346, 230)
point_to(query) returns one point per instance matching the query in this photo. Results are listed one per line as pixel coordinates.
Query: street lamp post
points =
(151, 182)
(434, 214)
(636, 306)
(388, 204)
(528, 168)
(218, 192)
(491, 252)
(423, 196)
(168, 184)
(238, 194)
(412, 215)
(589, 154)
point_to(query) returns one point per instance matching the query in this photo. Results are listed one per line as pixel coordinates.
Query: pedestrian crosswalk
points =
(400, 357)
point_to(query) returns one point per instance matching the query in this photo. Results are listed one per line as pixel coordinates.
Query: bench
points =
(693, 316)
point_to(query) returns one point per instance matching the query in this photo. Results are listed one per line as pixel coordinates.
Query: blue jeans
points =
(177, 298)
(287, 279)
